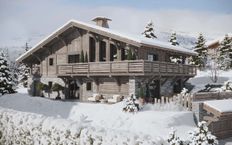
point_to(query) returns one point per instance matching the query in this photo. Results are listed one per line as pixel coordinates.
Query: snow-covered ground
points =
(149, 122)
(105, 123)
(220, 105)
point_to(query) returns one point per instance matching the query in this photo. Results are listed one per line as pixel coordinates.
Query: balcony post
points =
(108, 50)
(97, 50)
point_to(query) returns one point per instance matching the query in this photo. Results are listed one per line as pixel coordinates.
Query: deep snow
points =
(150, 122)
(220, 105)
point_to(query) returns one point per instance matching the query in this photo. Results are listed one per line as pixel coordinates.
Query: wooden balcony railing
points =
(126, 68)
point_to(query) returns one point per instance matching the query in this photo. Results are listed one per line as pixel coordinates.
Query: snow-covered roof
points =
(220, 105)
(138, 40)
(218, 40)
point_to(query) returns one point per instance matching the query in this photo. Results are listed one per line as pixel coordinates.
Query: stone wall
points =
(203, 96)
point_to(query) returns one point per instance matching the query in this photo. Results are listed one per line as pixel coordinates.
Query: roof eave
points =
(162, 48)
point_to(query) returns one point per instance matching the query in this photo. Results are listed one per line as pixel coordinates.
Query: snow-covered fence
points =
(182, 100)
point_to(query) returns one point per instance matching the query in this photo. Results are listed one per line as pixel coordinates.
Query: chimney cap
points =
(101, 18)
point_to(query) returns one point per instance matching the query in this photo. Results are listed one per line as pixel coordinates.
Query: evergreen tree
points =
(149, 31)
(173, 39)
(200, 48)
(202, 136)
(23, 75)
(225, 53)
(82, 59)
(6, 84)
(14, 69)
(86, 57)
(24, 71)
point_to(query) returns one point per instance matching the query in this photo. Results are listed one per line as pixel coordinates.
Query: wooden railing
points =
(183, 101)
(133, 67)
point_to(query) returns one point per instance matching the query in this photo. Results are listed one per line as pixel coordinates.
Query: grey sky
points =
(31, 20)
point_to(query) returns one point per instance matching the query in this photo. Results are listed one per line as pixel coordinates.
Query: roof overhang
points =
(105, 32)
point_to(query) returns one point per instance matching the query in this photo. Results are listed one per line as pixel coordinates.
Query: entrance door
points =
(154, 88)
(177, 86)
(73, 90)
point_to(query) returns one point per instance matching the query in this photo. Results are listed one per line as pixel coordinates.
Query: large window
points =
(92, 49)
(74, 58)
(102, 51)
(113, 52)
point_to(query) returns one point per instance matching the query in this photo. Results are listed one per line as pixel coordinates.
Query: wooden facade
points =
(58, 56)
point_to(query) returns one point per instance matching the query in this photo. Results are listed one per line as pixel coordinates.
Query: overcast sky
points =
(31, 20)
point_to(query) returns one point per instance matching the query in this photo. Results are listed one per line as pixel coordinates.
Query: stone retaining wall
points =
(205, 96)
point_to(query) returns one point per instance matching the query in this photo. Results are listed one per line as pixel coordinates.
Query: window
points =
(102, 51)
(73, 58)
(92, 49)
(152, 57)
(88, 86)
(50, 61)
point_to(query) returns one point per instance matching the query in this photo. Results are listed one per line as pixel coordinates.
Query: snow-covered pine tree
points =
(173, 139)
(131, 105)
(15, 72)
(225, 53)
(200, 48)
(23, 74)
(6, 81)
(149, 31)
(24, 70)
(173, 40)
(202, 136)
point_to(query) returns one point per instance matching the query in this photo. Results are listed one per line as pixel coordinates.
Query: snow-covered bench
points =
(95, 98)
(115, 99)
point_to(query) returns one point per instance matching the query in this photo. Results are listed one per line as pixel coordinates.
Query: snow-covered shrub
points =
(57, 87)
(131, 105)
(227, 87)
(202, 136)
(199, 136)
(176, 60)
(27, 128)
(184, 92)
(173, 139)
(211, 88)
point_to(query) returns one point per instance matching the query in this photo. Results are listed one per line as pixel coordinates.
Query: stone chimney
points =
(102, 21)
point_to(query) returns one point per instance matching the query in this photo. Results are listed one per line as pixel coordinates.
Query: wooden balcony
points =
(126, 68)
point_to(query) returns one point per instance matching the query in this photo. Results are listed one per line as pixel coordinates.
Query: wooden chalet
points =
(57, 59)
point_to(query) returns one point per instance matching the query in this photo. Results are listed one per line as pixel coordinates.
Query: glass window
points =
(88, 86)
(73, 58)
(50, 61)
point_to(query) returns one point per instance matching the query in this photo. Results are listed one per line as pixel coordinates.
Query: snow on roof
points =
(138, 39)
(218, 40)
(220, 105)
